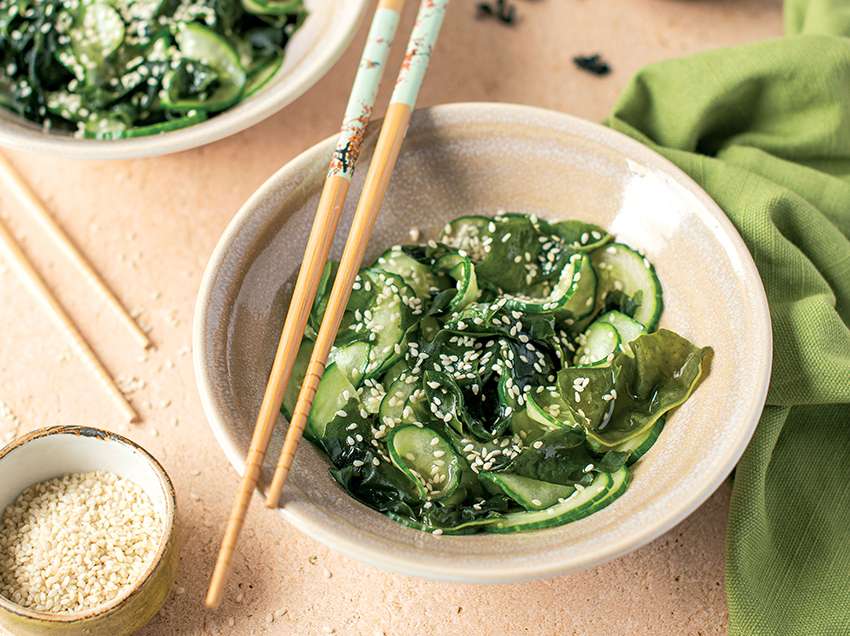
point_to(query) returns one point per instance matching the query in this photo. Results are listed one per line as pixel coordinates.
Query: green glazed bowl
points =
(59, 450)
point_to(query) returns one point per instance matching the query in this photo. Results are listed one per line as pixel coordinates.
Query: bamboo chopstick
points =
(35, 282)
(340, 171)
(36, 208)
(394, 128)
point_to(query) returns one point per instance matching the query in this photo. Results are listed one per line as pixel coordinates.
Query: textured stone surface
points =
(149, 226)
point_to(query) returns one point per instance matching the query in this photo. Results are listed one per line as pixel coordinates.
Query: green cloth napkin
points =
(765, 130)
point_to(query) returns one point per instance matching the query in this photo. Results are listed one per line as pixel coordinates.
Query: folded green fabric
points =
(765, 129)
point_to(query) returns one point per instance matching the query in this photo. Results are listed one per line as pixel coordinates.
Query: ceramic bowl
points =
(480, 158)
(52, 452)
(314, 48)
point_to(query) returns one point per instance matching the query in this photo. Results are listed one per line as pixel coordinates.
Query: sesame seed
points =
(77, 541)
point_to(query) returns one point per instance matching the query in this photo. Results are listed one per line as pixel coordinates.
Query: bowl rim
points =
(388, 561)
(164, 542)
(259, 107)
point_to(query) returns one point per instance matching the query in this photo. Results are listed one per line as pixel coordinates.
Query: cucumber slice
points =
(372, 395)
(97, 34)
(462, 270)
(597, 345)
(299, 370)
(640, 445)
(199, 43)
(531, 494)
(332, 396)
(549, 412)
(621, 269)
(351, 359)
(572, 295)
(262, 74)
(427, 458)
(272, 7)
(574, 507)
(387, 321)
(468, 527)
(393, 409)
(529, 429)
(394, 372)
(416, 275)
(627, 328)
(112, 129)
(620, 480)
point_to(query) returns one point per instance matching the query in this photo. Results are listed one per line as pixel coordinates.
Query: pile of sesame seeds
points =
(76, 542)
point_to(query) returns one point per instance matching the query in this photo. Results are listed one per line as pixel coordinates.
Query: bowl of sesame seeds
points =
(86, 533)
(484, 159)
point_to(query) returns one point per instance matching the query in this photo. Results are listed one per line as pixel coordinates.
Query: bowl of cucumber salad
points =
(556, 349)
(103, 79)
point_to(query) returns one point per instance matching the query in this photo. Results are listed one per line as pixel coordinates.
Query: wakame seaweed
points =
(505, 377)
(594, 64)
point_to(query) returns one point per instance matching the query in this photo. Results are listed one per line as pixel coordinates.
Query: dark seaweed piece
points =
(594, 64)
(500, 9)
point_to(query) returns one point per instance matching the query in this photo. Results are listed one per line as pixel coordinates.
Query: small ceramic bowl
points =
(60, 450)
(478, 159)
(313, 50)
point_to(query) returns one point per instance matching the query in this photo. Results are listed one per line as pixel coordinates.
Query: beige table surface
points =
(149, 226)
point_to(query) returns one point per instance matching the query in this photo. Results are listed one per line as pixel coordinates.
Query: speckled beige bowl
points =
(479, 158)
(60, 450)
(310, 54)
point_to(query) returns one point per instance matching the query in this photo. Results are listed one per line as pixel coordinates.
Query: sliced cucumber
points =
(463, 271)
(427, 458)
(640, 445)
(299, 369)
(112, 129)
(393, 407)
(578, 505)
(529, 429)
(623, 270)
(332, 396)
(573, 294)
(620, 480)
(468, 527)
(262, 74)
(97, 35)
(387, 321)
(351, 359)
(372, 395)
(199, 43)
(394, 372)
(549, 411)
(597, 344)
(531, 494)
(418, 276)
(273, 7)
(628, 328)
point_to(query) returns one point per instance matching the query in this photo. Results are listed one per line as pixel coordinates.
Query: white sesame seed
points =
(100, 529)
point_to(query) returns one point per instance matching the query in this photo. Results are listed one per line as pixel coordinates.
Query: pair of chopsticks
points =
(30, 276)
(393, 130)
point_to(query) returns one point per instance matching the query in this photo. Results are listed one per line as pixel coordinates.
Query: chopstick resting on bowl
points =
(393, 130)
(342, 165)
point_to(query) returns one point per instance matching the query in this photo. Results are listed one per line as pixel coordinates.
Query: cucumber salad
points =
(503, 378)
(108, 69)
